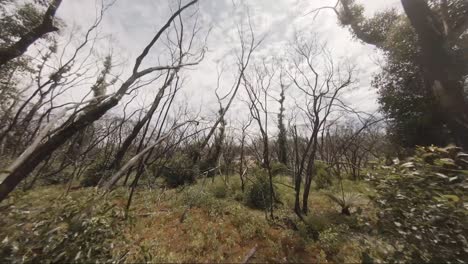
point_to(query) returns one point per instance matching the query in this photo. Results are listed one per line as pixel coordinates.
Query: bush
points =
(220, 190)
(345, 201)
(239, 196)
(177, 172)
(321, 176)
(278, 168)
(197, 197)
(93, 175)
(313, 225)
(175, 177)
(422, 199)
(331, 238)
(258, 195)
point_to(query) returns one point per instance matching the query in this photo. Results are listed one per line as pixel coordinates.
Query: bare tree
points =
(248, 44)
(257, 91)
(321, 83)
(242, 165)
(81, 118)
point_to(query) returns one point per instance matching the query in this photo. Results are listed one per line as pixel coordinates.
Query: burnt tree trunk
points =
(309, 175)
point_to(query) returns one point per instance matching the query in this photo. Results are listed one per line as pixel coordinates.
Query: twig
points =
(153, 213)
(250, 254)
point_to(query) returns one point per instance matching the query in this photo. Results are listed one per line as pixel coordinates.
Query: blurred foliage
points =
(278, 168)
(411, 109)
(220, 189)
(94, 174)
(422, 205)
(42, 227)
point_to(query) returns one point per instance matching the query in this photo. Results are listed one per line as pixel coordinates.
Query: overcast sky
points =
(130, 24)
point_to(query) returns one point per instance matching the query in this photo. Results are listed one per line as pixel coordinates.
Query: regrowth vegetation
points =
(103, 160)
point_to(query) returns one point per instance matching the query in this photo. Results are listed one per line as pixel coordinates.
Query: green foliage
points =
(178, 171)
(312, 226)
(282, 133)
(278, 168)
(331, 238)
(321, 176)
(76, 228)
(200, 198)
(356, 187)
(344, 200)
(93, 174)
(422, 206)
(419, 198)
(239, 196)
(258, 195)
(248, 224)
(411, 108)
(220, 190)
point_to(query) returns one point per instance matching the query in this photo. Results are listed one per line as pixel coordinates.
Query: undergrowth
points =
(211, 221)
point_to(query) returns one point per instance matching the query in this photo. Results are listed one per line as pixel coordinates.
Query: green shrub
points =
(220, 190)
(258, 195)
(313, 225)
(423, 199)
(178, 172)
(93, 175)
(239, 196)
(331, 238)
(198, 197)
(235, 184)
(321, 176)
(278, 168)
(248, 224)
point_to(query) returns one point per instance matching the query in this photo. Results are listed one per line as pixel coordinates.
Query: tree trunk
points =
(128, 141)
(444, 76)
(309, 175)
(241, 165)
(54, 142)
(21, 46)
(297, 176)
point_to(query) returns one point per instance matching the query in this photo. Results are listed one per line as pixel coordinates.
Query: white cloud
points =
(132, 24)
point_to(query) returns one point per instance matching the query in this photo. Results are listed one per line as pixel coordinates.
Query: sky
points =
(129, 24)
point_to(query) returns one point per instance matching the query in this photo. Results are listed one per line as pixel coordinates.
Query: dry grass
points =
(213, 229)
(225, 234)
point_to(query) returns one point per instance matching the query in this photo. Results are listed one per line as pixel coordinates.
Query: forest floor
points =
(206, 222)
(413, 211)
